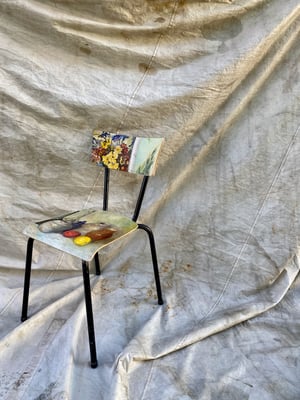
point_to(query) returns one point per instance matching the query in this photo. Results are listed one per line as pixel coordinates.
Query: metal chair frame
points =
(85, 266)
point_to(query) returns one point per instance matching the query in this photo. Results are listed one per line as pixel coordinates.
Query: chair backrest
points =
(133, 154)
(121, 152)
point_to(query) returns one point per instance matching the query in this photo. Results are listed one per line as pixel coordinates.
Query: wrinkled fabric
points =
(219, 80)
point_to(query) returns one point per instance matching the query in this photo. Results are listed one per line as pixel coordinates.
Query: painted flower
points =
(110, 160)
(112, 151)
(106, 143)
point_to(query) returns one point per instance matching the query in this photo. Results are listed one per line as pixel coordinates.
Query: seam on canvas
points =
(258, 214)
(149, 377)
(141, 81)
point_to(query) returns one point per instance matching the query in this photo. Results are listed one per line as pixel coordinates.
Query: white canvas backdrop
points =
(220, 81)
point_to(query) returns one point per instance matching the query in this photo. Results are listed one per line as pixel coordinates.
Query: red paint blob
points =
(71, 234)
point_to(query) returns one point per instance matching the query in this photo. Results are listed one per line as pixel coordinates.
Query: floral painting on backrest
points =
(125, 153)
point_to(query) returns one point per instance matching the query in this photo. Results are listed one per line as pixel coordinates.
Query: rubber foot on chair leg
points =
(94, 364)
(160, 302)
(23, 319)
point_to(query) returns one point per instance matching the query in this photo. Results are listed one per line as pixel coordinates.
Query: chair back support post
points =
(106, 188)
(140, 198)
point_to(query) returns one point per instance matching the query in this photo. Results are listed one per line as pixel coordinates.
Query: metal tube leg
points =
(27, 279)
(89, 313)
(97, 264)
(154, 261)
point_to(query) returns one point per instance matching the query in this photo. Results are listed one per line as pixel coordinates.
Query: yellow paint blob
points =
(82, 240)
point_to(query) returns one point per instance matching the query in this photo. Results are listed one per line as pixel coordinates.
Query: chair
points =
(84, 233)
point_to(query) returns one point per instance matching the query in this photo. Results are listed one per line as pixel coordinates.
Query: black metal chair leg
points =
(89, 313)
(27, 279)
(97, 264)
(147, 229)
